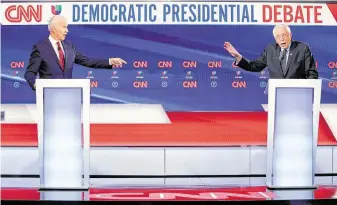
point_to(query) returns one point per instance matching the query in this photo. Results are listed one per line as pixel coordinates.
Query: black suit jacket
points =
(300, 64)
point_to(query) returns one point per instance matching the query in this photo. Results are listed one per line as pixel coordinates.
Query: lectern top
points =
(295, 83)
(63, 83)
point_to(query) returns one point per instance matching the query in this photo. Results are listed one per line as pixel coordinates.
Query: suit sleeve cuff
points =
(242, 63)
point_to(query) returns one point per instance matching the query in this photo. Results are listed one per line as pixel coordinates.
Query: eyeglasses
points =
(284, 35)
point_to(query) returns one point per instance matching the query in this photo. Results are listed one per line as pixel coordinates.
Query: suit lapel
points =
(290, 57)
(277, 58)
(52, 52)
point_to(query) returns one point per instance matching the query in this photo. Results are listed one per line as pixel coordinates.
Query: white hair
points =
(54, 20)
(281, 26)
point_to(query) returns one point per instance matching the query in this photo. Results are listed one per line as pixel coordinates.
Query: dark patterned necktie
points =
(284, 61)
(61, 55)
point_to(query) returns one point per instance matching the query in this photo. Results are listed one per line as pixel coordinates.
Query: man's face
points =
(282, 37)
(60, 30)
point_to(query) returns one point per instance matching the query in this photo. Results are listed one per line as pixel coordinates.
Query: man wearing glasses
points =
(287, 59)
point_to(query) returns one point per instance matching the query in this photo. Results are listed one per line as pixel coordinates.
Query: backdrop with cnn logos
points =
(182, 66)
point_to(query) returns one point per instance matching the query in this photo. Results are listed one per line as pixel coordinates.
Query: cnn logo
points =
(332, 84)
(332, 65)
(17, 64)
(239, 84)
(16, 13)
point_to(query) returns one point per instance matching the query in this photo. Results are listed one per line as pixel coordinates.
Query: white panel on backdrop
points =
(158, 161)
(127, 161)
(207, 161)
(26, 160)
(325, 152)
(99, 113)
(18, 113)
(258, 161)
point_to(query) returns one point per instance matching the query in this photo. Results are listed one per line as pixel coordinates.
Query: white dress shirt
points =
(54, 44)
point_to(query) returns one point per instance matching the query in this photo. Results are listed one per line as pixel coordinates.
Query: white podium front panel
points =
(63, 132)
(293, 137)
(62, 137)
(293, 118)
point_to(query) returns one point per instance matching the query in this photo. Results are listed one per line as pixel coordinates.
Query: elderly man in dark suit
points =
(286, 59)
(54, 58)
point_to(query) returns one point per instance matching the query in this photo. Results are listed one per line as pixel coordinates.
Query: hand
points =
(228, 46)
(116, 61)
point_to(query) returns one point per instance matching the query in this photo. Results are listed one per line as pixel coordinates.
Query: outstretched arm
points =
(91, 62)
(253, 66)
(96, 63)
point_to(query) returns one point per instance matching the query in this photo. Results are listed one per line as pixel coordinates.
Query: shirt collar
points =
(53, 41)
(286, 48)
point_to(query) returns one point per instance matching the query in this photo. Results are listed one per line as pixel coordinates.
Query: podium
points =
(63, 133)
(293, 120)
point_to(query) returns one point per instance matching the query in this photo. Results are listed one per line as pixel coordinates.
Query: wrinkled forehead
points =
(281, 30)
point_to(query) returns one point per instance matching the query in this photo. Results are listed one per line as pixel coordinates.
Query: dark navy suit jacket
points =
(300, 65)
(44, 61)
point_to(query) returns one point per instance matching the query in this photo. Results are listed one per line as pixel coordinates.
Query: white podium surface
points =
(63, 132)
(293, 118)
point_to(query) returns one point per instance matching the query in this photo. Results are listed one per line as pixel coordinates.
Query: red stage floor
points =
(141, 194)
(187, 129)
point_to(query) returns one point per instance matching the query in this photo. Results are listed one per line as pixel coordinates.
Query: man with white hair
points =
(54, 58)
(286, 59)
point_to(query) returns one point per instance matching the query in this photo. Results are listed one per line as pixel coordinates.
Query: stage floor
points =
(186, 129)
(144, 140)
(257, 193)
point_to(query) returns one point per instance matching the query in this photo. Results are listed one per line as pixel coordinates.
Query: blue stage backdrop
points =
(182, 67)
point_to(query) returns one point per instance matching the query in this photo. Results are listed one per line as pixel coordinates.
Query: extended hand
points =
(116, 61)
(228, 46)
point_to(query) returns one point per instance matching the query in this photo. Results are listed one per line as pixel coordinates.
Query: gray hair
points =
(281, 26)
(54, 20)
